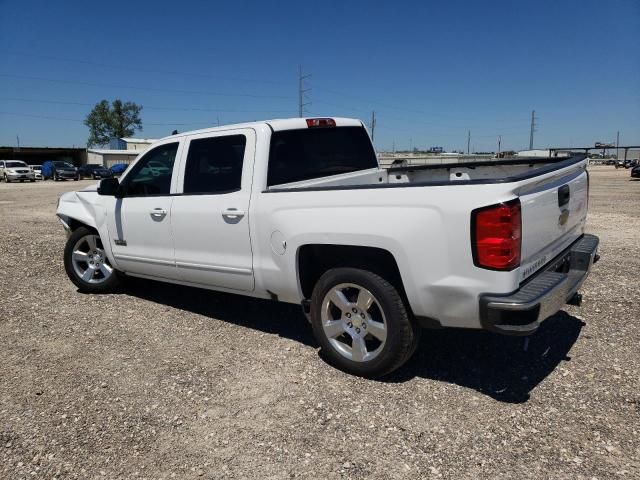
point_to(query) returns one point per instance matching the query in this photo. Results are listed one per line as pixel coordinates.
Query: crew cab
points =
(299, 211)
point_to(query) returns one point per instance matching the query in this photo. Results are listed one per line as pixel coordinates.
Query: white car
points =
(37, 171)
(16, 171)
(299, 211)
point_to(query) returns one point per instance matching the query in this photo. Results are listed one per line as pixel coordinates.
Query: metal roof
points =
(138, 140)
(113, 152)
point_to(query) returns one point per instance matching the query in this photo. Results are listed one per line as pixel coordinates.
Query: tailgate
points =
(554, 212)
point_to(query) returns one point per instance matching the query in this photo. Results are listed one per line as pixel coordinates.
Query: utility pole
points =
(533, 129)
(302, 91)
(468, 141)
(373, 124)
(499, 144)
(617, 145)
(393, 148)
(18, 139)
(410, 144)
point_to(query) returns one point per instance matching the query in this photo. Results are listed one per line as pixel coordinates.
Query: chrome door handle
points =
(158, 213)
(233, 213)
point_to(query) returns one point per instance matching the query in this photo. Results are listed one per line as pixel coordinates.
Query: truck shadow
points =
(494, 365)
(282, 319)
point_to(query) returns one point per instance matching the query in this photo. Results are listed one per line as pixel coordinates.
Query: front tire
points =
(87, 265)
(361, 322)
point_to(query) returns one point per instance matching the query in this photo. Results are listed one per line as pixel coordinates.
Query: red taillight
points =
(496, 236)
(320, 122)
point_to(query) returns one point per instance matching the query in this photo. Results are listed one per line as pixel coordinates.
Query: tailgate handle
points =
(564, 194)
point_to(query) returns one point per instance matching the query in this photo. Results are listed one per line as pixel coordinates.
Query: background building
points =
(128, 143)
(108, 157)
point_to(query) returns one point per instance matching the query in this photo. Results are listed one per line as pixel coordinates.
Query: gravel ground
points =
(168, 382)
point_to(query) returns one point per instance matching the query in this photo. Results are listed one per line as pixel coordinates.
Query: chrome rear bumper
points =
(542, 295)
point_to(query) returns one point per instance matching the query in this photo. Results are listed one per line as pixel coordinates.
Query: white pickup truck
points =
(298, 210)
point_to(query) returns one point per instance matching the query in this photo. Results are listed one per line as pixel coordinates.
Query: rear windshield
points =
(309, 153)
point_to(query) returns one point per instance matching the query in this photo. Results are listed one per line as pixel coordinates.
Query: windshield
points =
(63, 164)
(309, 153)
(15, 164)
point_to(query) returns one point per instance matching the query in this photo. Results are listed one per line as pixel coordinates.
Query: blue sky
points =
(430, 69)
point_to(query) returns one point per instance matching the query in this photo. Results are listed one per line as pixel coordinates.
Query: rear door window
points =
(305, 154)
(214, 165)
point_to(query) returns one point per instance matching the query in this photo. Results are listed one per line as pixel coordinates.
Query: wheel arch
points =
(71, 224)
(313, 260)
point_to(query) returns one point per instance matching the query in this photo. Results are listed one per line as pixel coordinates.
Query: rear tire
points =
(87, 265)
(361, 322)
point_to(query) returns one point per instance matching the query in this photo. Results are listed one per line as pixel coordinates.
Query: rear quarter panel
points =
(427, 230)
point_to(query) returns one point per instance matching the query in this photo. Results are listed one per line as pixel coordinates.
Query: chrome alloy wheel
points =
(90, 261)
(353, 321)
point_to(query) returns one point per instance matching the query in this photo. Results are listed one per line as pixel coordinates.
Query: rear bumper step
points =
(544, 294)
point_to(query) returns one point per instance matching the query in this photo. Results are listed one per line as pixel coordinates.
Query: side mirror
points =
(109, 186)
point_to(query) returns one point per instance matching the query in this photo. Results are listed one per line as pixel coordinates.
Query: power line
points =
(141, 69)
(47, 117)
(153, 89)
(302, 91)
(146, 107)
(415, 122)
(387, 105)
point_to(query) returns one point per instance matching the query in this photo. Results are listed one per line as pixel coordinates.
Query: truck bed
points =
(495, 171)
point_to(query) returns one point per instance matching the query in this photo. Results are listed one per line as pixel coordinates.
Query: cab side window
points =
(152, 174)
(214, 165)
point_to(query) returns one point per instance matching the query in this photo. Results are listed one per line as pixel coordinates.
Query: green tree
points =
(120, 119)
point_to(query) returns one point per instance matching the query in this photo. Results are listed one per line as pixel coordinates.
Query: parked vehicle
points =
(37, 171)
(94, 171)
(59, 170)
(16, 171)
(118, 168)
(629, 163)
(635, 171)
(299, 211)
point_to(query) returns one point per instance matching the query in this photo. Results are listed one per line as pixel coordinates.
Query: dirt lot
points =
(170, 382)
